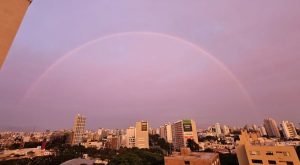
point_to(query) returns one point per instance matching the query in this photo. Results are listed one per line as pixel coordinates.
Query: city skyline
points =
(190, 143)
(218, 127)
(149, 61)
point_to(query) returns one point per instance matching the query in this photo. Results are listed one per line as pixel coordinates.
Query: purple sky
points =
(231, 62)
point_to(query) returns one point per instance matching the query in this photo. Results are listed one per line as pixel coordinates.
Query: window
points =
(187, 162)
(286, 162)
(269, 153)
(254, 153)
(289, 163)
(283, 153)
(272, 162)
(286, 153)
(257, 161)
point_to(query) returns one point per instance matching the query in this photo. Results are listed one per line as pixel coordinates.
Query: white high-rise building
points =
(218, 129)
(263, 131)
(157, 130)
(289, 129)
(130, 137)
(78, 129)
(226, 130)
(255, 128)
(152, 131)
(142, 134)
(168, 132)
(182, 131)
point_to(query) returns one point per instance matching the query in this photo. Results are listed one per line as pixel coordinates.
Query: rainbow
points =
(199, 49)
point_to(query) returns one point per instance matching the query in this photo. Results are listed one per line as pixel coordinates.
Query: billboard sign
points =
(187, 125)
(144, 126)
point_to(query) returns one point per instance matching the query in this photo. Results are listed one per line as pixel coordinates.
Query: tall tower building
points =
(289, 129)
(218, 129)
(225, 130)
(182, 131)
(168, 132)
(254, 126)
(141, 134)
(162, 132)
(11, 15)
(262, 131)
(130, 137)
(271, 127)
(78, 129)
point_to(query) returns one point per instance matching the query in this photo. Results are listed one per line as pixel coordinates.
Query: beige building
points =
(168, 132)
(262, 131)
(78, 129)
(289, 129)
(162, 132)
(218, 129)
(182, 131)
(186, 157)
(165, 132)
(11, 15)
(142, 134)
(130, 137)
(251, 152)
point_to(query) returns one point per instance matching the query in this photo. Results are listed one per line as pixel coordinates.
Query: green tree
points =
(208, 138)
(192, 145)
(31, 144)
(228, 159)
(137, 156)
(15, 146)
(156, 140)
(57, 140)
(126, 159)
(208, 150)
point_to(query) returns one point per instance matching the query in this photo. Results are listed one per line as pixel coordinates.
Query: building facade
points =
(262, 131)
(11, 16)
(186, 157)
(165, 132)
(250, 152)
(218, 129)
(162, 132)
(289, 130)
(130, 137)
(142, 134)
(182, 131)
(271, 128)
(78, 129)
(225, 130)
(168, 132)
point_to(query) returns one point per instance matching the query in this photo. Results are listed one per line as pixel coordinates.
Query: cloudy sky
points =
(117, 62)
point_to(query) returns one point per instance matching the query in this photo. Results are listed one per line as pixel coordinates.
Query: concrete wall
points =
(242, 155)
(11, 15)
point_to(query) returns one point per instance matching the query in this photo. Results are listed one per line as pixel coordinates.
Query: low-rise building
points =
(186, 157)
(251, 152)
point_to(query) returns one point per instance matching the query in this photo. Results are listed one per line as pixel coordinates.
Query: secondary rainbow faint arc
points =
(196, 47)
